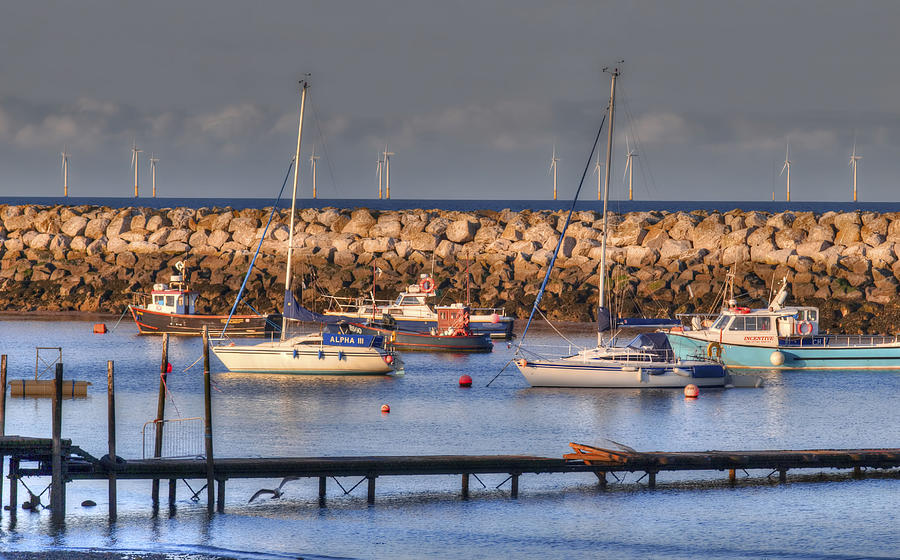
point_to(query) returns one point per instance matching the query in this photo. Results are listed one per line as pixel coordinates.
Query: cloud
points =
(49, 133)
(661, 128)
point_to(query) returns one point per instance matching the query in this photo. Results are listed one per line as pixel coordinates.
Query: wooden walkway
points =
(78, 465)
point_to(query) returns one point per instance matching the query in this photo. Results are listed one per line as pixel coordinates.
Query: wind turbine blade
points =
(783, 168)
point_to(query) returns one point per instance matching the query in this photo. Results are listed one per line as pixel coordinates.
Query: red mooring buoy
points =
(691, 391)
(168, 367)
(99, 328)
(385, 408)
(465, 381)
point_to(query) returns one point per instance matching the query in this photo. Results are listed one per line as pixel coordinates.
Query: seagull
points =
(276, 493)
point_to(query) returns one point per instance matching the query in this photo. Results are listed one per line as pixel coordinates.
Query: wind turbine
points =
(597, 167)
(153, 161)
(65, 171)
(853, 161)
(312, 160)
(134, 164)
(554, 161)
(629, 167)
(387, 171)
(379, 171)
(787, 167)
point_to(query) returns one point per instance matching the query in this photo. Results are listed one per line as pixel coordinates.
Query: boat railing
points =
(840, 340)
(346, 303)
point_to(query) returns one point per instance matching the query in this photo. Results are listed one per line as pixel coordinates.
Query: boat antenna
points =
(304, 85)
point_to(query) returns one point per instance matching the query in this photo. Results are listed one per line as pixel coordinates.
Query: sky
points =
(470, 96)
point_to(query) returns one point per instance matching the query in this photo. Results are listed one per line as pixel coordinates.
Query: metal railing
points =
(182, 437)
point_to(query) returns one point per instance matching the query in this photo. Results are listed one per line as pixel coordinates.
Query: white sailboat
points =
(315, 353)
(645, 362)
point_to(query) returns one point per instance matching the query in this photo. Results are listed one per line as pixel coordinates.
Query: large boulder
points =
(461, 231)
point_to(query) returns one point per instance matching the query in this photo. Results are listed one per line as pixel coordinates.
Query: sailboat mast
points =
(609, 145)
(290, 252)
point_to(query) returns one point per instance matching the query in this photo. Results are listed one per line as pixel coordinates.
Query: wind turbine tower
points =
(597, 167)
(387, 171)
(312, 160)
(65, 171)
(629, 167)
(134, 164)
(853, 160)
(153, 161)
(554, 161)
(787, 167)
(379, 171)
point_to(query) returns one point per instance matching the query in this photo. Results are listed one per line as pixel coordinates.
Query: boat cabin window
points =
(809, 315)
(720, 322)
(412, 301)
(159, 300)
(170, 301)
(751, 323)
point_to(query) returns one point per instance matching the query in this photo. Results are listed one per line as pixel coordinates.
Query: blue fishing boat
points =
(781, 337)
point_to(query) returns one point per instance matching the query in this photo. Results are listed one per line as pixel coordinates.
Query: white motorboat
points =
(313, 353)
(645, 362)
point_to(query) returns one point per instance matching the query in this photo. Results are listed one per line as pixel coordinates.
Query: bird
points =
(276, 493)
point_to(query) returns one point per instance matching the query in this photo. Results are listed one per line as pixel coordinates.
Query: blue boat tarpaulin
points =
(342, 339)
(293, 310)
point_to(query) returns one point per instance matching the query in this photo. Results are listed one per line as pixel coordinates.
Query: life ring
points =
(714, 350)
(426, 285)
(804, 327)
(742, 310)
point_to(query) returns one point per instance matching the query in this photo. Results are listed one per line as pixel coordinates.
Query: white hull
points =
(615, 375)
(291, 357)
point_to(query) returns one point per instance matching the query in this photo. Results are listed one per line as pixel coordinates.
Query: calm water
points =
(465, 205)
(687, 516)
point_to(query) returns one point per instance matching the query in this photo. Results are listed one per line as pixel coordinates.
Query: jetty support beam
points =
(323, 482)
(57, 484)
(465, 486)
(371, 493)
(514, 486)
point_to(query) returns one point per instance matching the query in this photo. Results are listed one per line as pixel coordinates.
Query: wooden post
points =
(514, 486)
(857, 472)
(13, 486)
(782, 475)
(220, 499)
(2, 415)
(601, 479)
(371, 493)
(111, 428)
(651, 479)
(207, 399)
(160, 415)
(322, 487)
(57, 484)
(173, 487)
(465, 486)
(732, 476)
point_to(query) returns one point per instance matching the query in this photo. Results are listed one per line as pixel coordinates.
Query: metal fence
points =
(182, 437)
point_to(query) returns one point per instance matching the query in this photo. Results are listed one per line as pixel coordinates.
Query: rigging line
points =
(561, 335)
(258, 247)
(650, 184)
(562, 235)
(324, 144)
(127, 307)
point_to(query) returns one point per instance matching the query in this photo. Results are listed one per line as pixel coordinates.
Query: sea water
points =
(816, 514)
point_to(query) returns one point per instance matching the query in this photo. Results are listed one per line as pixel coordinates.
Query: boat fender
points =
(714, 350)
(296, 354)
(804, 327)
(321, 355)
(426, 285)
(776, 358)
(340, 355)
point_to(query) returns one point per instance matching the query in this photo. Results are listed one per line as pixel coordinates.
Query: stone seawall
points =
(95, 259)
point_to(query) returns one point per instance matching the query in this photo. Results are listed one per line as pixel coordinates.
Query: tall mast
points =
(609, 144)
(290, 253)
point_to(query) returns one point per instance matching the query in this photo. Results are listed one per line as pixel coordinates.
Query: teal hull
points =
(821, 352)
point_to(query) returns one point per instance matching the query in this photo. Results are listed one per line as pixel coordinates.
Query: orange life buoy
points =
(426, 285)
(804, 327)
(742, 310)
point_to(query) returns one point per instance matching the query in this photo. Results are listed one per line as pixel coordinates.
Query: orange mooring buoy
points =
(385, 408)
(99, 328)
(465, 381)
(691, 391)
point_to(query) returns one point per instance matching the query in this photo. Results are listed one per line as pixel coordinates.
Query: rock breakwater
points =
(96, 259)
